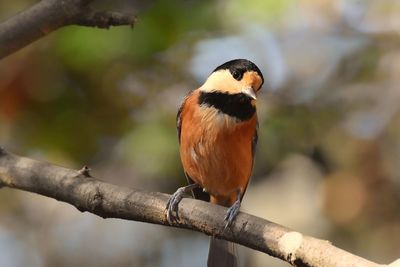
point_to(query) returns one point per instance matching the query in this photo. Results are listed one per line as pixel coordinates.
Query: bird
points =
(217, 129)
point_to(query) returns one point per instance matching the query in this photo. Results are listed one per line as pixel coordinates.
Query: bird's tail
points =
(222, 253)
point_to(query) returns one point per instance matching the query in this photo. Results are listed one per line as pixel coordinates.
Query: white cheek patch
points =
(222, 81)
(395, 263)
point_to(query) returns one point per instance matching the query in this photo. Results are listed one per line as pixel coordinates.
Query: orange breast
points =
(216, 150)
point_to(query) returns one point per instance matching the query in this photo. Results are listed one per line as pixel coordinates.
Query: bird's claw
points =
(172, 205)
(231, 214)
(173, 202)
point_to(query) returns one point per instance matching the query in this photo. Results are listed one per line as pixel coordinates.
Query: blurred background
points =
(329, 149)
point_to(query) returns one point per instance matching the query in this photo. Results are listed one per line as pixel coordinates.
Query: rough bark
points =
(86, 193)
(49, 15)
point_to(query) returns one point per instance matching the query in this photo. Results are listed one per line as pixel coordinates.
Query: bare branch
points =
(110, 201)
(49, 15)
(104, 19)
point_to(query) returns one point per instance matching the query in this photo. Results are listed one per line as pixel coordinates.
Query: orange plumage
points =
(216, 155)
(217, 129)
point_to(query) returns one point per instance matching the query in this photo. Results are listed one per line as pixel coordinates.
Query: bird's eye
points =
(237, 75)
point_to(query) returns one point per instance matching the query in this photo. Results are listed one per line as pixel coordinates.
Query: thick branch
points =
(77, 188)
(49, 15)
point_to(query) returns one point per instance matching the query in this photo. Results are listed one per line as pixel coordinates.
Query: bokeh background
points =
(329, 149)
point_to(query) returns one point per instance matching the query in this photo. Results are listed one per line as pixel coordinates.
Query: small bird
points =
(217, 130)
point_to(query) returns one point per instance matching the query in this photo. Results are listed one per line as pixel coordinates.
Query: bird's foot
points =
(171, 209)
(231, 214)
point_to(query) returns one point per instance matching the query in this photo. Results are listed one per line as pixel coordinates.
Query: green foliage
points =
(162, 26)
(152, 149)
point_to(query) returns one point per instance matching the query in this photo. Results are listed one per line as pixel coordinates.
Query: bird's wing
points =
(198, 193)
(179, 121)
(254, 141)
(254, 145)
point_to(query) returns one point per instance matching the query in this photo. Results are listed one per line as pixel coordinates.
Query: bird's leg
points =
(173, 202)
(233, 211)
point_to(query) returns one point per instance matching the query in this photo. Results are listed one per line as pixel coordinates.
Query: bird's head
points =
(238, 76)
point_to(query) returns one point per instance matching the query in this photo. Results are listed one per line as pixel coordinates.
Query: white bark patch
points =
(289, 243)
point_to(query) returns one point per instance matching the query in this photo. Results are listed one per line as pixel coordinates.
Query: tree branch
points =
(79, 189)
(49, 15)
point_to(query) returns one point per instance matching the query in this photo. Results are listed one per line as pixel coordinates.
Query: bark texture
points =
(86, 193)
(49, 15)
